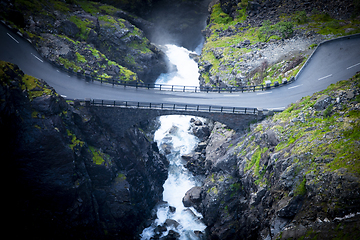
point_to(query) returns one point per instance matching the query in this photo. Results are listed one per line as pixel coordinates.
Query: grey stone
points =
(322, 103)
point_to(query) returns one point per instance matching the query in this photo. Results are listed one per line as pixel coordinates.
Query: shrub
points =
(281, 29)
(300, 17)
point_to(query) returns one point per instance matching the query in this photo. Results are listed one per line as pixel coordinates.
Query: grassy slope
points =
(219, 21)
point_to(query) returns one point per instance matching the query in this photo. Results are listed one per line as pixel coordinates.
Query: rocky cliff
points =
(295, 175)
(88, 37)
(71, 178)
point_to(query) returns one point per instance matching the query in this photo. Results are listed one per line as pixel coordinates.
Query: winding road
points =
(332, 62)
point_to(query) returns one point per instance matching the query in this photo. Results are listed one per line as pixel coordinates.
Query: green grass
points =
(301, 188)
(83, 25)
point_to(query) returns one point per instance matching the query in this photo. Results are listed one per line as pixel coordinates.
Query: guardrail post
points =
(136, 85)
(245, 110)
(124, 84)
(209, 108)
(162, 106)
(221, 109)
(195, 89)
(172, 88)
(126, 104)
(114, 104)
(185, 107)
(242, 89)
(160, 87)
(197, 108)
(184, 88)
(233, 110)
(87, 102)
(148, 86)
(174, 107)
(150, 105)
(138, 104)
(102, 102)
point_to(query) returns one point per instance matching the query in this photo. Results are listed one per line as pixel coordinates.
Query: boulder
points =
(192, 197)
(68, 28)
(322, 103)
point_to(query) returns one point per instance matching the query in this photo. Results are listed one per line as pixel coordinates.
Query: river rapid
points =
(174, 139)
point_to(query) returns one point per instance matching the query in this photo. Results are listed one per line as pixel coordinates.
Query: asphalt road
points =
(333, 61)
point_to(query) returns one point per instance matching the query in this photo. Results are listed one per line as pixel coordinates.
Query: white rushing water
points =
(174, 136)
(187, 69)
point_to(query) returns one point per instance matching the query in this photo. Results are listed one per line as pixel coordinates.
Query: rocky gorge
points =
(294, 175)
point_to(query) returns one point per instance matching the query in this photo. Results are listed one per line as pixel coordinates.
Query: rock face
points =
(72, 178)
(284, 178)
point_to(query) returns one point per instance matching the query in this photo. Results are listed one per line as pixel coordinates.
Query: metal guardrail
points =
(164, 87)
(170, 106)
(173, 88)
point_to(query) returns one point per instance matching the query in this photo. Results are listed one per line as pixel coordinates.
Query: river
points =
(174, 140)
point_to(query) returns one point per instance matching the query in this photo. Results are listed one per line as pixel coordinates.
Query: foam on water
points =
(174, 132)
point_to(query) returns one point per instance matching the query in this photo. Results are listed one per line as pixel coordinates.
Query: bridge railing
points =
(169, 106)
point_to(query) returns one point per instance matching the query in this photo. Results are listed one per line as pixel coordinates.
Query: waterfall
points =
(174, 139)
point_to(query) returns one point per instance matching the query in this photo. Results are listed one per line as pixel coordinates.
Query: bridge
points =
(333, 60)
(119, 115)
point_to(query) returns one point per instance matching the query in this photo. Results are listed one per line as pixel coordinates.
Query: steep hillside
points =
(295, 175)
(69, 176)
(250, 42)
(88, 37)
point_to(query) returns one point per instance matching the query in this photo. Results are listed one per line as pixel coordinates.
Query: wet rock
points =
(172, 235)
(187, 157)
(171, 223)
(192, 196)
(172, 209)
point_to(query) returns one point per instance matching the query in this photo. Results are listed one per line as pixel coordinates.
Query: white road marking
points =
(353, 65)
(263, 93)
(57, 70)
(37, 57)
(13, 38)
(325, 77)
(230, 95)
(295, 86)
(63, 96)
